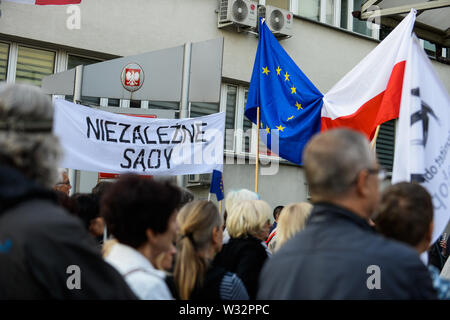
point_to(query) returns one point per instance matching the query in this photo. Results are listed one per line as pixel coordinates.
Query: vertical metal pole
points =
(76, 99)
(184, 103)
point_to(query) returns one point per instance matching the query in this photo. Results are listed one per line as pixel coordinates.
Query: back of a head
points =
(134, 204)
(292, 219)
(332, 161)
(87, 207)
(277, 211)
(186, 197)
(235, 196)
(101, 187)
(26, 139)
(196, 221)
(405, 213)
(248, 218)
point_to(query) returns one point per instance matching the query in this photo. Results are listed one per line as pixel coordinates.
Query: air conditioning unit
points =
(278, 20)
(199, 179)
(239, 13)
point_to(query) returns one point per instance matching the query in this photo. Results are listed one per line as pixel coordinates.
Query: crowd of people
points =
(140, 238)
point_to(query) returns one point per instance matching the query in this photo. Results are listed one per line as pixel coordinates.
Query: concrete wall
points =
(130, 27)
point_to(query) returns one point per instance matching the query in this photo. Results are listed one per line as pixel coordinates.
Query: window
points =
(283, 4)
(329, 11)
(309, 9)
(337, 13)
(360, 26)
(430, 48)
(4, 49)
(164, 105)
(230, 119)
(113, 102)
(385, 145)
(240, 133)
(74, 61)
(199, 109)
(247, 127)
(344, 14)
(135, 104)
(33, 65)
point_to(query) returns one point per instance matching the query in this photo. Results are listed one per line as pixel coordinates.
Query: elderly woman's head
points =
(292, 220)
(26, 139)
(249, 217)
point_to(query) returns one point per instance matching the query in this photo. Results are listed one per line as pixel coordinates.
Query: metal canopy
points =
(166, 74)
(432, 23)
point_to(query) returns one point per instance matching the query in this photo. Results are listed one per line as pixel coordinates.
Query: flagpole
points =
(374, 140)
(220, 206)
(257, 150)
(209, 196)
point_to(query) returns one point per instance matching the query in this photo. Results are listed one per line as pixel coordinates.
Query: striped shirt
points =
(232, 288)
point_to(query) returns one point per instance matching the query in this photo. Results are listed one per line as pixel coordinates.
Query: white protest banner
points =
(99, 141)
(422, 146)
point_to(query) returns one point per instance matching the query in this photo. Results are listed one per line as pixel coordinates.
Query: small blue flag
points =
(290, 105)
(217, 185)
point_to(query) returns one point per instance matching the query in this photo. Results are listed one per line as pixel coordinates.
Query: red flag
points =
(370, 93)
(47, 2)
(56, 2)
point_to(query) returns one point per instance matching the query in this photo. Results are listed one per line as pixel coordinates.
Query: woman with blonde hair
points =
(292, 220)
(200, 238)
(248, 224)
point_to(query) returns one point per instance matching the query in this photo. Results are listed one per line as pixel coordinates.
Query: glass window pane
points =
(135, 104)
(247, 127)
(330, 12)
(430, 48)
(90, 101)
(4, 50)
(74, 61)
(230, 117)
(360, 26)
(113, 102)
(385, 145)
(33, 65)
(283, 4)
(163, 105)
(199, 109)
(344, 14)
(309, 9)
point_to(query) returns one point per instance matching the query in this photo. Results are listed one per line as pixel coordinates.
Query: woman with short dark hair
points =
(141, 214)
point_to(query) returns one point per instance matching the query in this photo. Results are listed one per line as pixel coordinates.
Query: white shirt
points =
(146, 282)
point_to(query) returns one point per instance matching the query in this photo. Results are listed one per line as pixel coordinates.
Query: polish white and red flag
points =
(370, 93)
(47, 2)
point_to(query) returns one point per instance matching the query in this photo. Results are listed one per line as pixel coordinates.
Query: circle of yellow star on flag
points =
(293, 90)
(278, 71)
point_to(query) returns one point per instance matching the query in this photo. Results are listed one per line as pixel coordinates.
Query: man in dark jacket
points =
(338, 255)
(44, 252)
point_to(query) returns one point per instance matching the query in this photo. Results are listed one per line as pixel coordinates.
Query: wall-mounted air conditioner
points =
(199, 179)
(278, 20)
(238, 13)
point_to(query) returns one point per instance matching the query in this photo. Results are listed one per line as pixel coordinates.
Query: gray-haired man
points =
(44, 252)
(338, 255)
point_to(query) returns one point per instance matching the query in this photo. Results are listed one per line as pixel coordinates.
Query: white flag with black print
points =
(422, 146)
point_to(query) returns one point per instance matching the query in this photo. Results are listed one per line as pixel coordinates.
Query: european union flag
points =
(217, 185)
(290, 104)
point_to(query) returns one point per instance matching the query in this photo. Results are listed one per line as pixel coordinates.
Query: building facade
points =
(326, 43)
